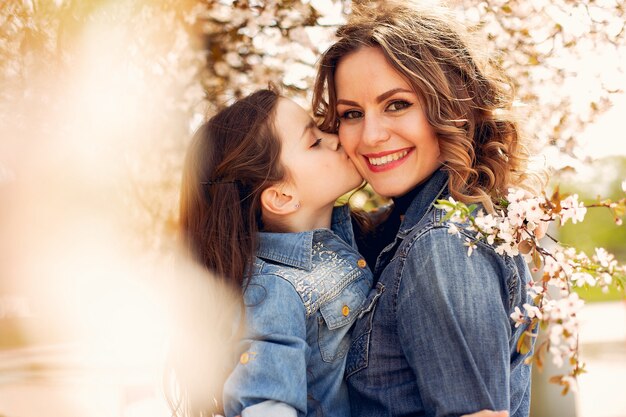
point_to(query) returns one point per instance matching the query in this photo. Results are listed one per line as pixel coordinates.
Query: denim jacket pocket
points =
(359, 349)
(335, 320)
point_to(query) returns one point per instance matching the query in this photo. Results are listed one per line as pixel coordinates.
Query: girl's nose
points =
(332, 141)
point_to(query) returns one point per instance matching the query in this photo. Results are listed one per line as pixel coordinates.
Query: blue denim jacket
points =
(306, 291)
(435, 337)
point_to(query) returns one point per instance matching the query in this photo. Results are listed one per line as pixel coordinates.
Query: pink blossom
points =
(533, 210)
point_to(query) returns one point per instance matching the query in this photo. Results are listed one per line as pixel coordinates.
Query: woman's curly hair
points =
(466, 101)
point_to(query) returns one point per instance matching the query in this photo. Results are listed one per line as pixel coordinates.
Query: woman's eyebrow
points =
(384, 96)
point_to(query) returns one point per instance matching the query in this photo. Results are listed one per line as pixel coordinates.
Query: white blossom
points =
(572, 209)
(604, 258)
(534, 289)
(511, 249)
(532, 311)
(518, 317)
(485, 222)
(583, 278)
(471, 245)
(515, 195)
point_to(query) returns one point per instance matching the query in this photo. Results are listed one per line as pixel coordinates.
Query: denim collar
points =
(296, 249)
(430, 191)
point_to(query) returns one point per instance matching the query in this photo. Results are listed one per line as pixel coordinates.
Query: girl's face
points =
(383, 126)
(318, 166)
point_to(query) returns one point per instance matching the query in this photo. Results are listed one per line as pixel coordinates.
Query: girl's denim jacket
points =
(305, 292)
(435, 338)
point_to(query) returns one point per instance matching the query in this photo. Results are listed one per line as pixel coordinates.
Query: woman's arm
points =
(271, 373)
(453, 323)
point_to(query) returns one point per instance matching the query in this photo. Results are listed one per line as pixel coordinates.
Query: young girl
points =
(259, 186)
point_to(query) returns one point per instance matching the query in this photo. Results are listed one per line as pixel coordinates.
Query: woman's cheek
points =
(349, 140)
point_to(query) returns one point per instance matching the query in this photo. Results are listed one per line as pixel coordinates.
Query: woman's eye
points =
(316, 142)
(351, 114)
(398, 105)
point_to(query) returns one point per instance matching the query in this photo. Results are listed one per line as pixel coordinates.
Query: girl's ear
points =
(279, 200)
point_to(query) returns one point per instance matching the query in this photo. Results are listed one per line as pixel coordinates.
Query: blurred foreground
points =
(88, 380)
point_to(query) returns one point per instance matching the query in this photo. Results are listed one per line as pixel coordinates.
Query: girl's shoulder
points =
(329, 274)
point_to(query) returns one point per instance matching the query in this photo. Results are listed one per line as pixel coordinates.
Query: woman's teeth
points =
(387, 158)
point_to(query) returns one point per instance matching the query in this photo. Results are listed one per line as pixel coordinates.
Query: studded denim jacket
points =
(306, 291)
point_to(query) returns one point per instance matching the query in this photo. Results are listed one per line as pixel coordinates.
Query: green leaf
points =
(448, 216)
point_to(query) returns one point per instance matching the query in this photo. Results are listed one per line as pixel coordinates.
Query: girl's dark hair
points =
(231, 160)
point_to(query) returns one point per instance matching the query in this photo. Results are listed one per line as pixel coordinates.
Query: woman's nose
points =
(374, 131)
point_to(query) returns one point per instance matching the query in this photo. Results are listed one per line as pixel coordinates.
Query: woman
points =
(423, 119)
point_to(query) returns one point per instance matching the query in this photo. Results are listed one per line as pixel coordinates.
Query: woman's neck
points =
(401, 203)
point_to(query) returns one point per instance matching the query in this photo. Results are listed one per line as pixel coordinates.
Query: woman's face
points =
(383, 126)
(318, 167)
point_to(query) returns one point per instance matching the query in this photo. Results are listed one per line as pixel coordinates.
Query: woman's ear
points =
(279, 200)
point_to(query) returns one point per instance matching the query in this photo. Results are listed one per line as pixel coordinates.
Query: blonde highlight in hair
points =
(466, 101)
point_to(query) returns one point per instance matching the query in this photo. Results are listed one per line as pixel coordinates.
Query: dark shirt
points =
(385, 222)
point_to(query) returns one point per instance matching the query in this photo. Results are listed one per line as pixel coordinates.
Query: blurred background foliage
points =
(601, 179)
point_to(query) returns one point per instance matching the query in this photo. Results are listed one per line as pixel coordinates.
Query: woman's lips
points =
(384, 161)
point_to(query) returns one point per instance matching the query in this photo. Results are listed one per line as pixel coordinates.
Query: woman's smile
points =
(383, 161)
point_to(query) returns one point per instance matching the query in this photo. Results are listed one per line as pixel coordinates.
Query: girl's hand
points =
(488, 413)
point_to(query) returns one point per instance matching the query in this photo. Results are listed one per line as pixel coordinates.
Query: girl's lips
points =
(385, 161)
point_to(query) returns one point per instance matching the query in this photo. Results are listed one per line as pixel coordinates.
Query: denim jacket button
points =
(244, 358)
(361, 263)
(345, 310)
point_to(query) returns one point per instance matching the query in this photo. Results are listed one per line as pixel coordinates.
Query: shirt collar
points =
(296, 249)
(431, 191)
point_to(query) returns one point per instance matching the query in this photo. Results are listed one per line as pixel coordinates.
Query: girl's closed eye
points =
(316, 142)
(399, 105)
